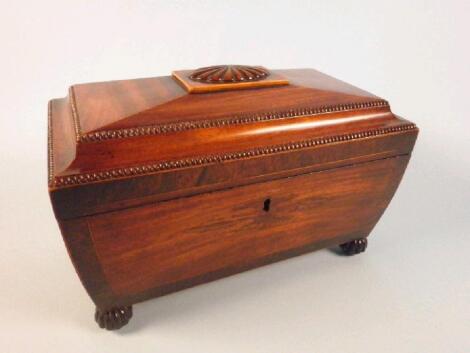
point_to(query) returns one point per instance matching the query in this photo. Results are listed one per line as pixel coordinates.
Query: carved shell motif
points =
(229, 74)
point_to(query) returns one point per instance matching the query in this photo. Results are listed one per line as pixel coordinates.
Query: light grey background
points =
(410, 292)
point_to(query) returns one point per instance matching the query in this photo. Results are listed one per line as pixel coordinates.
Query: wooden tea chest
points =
(160, 184)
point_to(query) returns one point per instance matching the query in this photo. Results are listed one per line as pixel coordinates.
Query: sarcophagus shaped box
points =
(162, 183)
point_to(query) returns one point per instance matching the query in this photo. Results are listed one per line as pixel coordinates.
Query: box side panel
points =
(159, 248)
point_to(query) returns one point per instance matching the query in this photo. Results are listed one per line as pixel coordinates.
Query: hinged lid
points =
(207, 118)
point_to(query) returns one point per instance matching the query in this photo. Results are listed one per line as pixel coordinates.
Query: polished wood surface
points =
(157, 245)
(157, 189)
(153, 101)
(120, 124)
(167, 184)
(151, 130)
(121, 258)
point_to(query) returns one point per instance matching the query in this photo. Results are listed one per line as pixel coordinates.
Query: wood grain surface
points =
(156, 189)
(157, 245)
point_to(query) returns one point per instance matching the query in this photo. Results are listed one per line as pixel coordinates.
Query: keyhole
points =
(266, 205)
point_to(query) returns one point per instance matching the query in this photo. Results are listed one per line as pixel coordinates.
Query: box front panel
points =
(174, 242)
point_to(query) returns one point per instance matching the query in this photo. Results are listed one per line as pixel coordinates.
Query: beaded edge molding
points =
(75, 118)
(50, 147)
(88, 178)
(213, 123)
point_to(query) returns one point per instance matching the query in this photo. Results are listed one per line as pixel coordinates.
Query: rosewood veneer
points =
(159, 184)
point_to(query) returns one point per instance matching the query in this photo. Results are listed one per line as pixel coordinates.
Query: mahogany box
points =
(159, 184)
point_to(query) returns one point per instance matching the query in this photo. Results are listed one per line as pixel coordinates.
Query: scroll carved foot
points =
(113, 319)
(354, 247)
